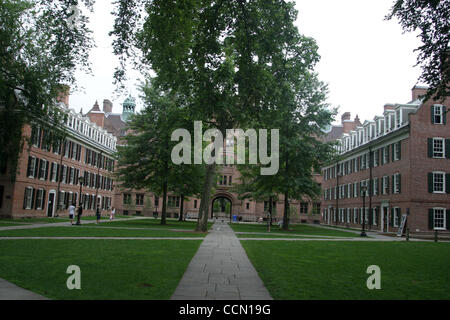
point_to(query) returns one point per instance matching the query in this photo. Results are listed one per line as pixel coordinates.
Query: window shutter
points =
(444, 115)
(391, 220)
(393, 184)
(379, 181)
(35, 202)
(32, 198)
(43, 200)
(430, 182)
(430, 219)
(432, 114)
(46, 169)
(29, 166)
(36, 167)
(393, 152)
(387, 153)
(430, 147)
(51, 170)
(447, 219)
(447, 182)
(447, 148)
(25, 199)
(400, 150)
(399, 183)
(387, 183)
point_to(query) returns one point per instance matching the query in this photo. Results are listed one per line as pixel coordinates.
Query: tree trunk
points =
(202, 222)
(181, 208)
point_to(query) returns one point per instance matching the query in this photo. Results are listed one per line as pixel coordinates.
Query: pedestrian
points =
(71, 212)
(97, 213)
(79, 213)
(113, 212)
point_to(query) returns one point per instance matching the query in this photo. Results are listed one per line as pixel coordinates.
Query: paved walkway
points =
(221, 270)
(9, 291)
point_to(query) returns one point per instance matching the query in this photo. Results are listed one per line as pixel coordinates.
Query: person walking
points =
(112, 214)
(71, 212)
(98, 214)
(79, 213)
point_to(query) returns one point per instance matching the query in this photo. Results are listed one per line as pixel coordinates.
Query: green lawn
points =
(34, 220)
(337, 270)
(110, 269)
(294, 229)
(93, 230)
(278, 235)
(154, 223)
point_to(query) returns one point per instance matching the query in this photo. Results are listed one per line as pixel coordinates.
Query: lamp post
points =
(363, 232)
(81, 180)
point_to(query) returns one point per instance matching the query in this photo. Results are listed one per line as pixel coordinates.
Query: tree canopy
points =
(432, 19)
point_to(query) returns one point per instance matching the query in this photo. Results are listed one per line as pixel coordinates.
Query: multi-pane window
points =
(139, 199)
(385, 155)
(40, 199)
(396, 217)
(374, 216)
(438, 148)
(385, 185)
(355, 190)
(375, 186)
(54, 172)
(439, 182)
(303, 207)
(397, 183)
(397, 151)
(316, 208)
(43, 169)
(438, 114)
(355, 215)
(126, 198)
(439, 218)
(28, 198)
(174, 202)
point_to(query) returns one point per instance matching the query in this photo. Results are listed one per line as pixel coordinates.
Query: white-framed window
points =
(376, 158)
(438, 148)
(43, 169)
(396, 183)
(54, 172)
(349, 190)
(438, 182)
(72, 176)
(439, 219)
(375, 186)
(396, 217)
(28, 198)
(374, 216)
(40, 199)
(32, 170)
(438, 114)
(397, 118)
(64, 174)
(355, 215)
(385, 185)
(397, 151)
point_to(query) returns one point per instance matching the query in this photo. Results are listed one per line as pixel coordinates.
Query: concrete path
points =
(221, 270)
(9, 291)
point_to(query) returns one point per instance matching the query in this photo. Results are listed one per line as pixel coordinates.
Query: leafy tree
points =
(432, 18)
(40, 48)
(234, 62)
(145, 159)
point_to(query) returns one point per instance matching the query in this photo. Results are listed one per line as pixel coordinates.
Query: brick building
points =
(47, 179)
(402, 157)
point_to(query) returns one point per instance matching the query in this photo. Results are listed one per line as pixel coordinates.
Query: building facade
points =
(49, 171)
(402, 159)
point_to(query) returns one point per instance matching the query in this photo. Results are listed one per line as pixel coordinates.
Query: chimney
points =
(63, 95)
(418, 92)
(357, 122)
(107, 106)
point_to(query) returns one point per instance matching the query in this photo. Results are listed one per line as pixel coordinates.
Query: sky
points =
(365, 60)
